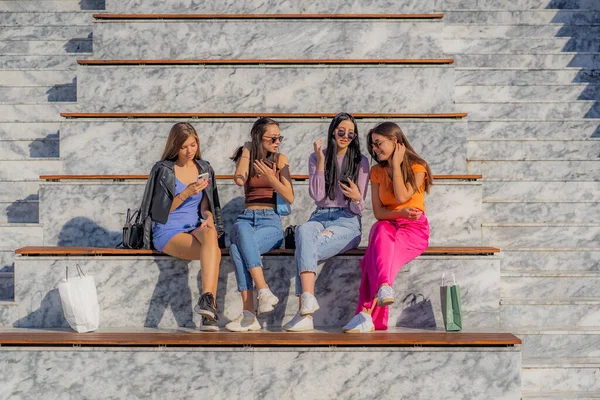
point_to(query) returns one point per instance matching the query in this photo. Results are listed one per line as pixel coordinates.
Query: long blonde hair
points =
(180, 132)
(391, 130)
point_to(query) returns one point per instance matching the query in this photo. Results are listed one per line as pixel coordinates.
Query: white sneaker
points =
(266, 301)
(385, 296)
(309, 304)
(361, 323)
(299, 323)
(245, 322)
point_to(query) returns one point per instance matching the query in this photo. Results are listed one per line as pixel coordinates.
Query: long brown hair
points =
(180, 132)
(390, 130)
(256, 133)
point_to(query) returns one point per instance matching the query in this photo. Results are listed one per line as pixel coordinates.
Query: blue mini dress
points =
(184, 218)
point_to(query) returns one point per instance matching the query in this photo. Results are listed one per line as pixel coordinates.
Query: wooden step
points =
(265, 339)
(401, 61)
(266, 114)
(116, 17)
(57, 178)
(104, 251)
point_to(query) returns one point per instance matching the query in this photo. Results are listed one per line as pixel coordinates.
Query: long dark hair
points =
(256, 133)
(180, 132)
(390, 130)
(352, 159)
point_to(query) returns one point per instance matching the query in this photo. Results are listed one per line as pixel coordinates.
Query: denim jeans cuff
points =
(249, 267)
(243, 289)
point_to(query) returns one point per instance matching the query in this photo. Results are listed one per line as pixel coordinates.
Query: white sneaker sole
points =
(294, 329)
(209, 328)
(309, 311)
(267, 309)
(354, 330)
(386, 301)
(244, 329)
(203, 312)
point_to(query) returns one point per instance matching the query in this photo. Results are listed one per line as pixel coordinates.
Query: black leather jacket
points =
(159, 194)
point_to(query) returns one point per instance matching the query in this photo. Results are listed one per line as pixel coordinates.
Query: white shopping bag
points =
(80, 301)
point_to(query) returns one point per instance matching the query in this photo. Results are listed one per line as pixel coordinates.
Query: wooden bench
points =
(57, 178)
(270, 62)
(33, 251)
(133, 115)
(117, 17)
(258, 339)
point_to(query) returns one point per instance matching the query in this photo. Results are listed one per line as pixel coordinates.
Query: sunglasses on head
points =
(275, 139)
(342, 133)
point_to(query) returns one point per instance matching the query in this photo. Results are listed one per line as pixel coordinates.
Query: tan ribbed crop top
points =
(259, 190)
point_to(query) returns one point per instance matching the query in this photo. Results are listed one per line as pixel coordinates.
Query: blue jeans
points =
(255, 232)
(312, 245)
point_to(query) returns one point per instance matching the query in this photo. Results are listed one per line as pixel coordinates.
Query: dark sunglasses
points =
(351, 135)
(275, 139)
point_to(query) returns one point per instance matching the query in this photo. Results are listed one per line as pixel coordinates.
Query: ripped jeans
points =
(328, 232)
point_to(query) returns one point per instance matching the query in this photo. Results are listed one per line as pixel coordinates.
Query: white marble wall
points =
(19, 18)
(579, 342)
(520, 5)
(220, 89)
(272, 6)
(52, 5)
(297, 373)
(92, 214)
(527, 17)
(267, 39)
(90, 147)
(532, 61)
(577, 130)
(518, 316)
(533, 111)
(160, 291)
(490, 77)
(544, 259)
(548, 235)
(557, 170)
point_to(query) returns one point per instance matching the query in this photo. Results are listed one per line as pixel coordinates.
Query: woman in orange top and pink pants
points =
(398, 186)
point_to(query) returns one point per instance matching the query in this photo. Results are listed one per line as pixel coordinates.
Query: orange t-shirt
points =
(386, 189)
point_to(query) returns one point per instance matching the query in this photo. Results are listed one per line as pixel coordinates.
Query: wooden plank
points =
(106, 251)
(116, 17)
(224, 177)
(268, 339)
(270, 62)
(259, 114)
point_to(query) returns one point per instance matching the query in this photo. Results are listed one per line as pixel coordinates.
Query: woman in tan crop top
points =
(264, 173)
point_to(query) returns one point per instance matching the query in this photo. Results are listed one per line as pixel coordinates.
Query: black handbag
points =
(290, 237)
(133, 231)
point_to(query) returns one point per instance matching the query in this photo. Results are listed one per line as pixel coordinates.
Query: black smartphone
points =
(345, 180)
(268, 162)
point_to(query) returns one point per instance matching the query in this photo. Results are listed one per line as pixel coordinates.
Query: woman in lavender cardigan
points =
(338, 183)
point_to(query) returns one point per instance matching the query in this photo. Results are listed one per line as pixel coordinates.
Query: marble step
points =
(516, 313)
(442, 143)
(521, 46)
(549, 259)
(46, 47)
(272, 372)
(523, 211)
(560, 342)
(527, 61)
(558, 111)
(533, 150)
(560, 395)
(560, 375)
(261, 7)
(52, 5)
(569, 287)
(528, 17)
(534, 93)
(36, 78)
(20, 211)
(523, 77)
(44, 32)
(518, 235)
(25, 149)
(29, 131)
(18, 235)
(518, 5)
(160, 291)
(36, 95)
(35, 112)
(12, 190)
(29, 19)
(539, 192)
(518, 130)
(368, 88)
(92, 214)
(62, 62)
(8, 312)
(520, 32)
(280, 39)
(29, 169)
(536, 170)
(7, 286)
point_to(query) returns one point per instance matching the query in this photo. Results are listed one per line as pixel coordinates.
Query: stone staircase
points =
(527, 74)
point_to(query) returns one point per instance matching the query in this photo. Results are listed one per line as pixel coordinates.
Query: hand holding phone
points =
(205, 175)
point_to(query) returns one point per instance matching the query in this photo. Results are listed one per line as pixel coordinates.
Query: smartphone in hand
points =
(203, 176)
